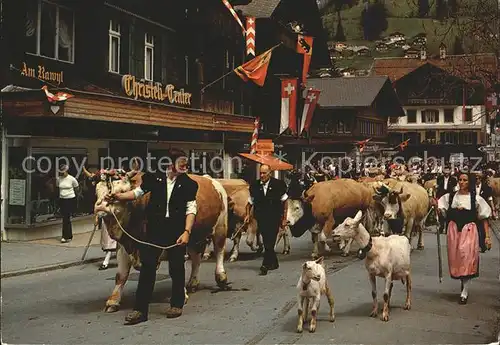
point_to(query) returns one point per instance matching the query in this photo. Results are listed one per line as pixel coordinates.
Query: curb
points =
(48, 268)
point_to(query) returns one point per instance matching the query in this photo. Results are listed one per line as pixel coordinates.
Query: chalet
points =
(381, 47)
(397, 36)
(349, 109)
(135, 70)
(443, 98)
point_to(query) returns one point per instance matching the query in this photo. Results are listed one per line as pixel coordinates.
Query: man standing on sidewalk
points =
(170, 217)
(268, 200)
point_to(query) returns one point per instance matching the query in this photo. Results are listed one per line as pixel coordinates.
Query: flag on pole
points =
(59, 97)
(361, 144)
(235, 15)
(403, 145)
(309, 106)
(288, 105)
(464, 111)
(304, 46)
(250, 36)
(255, 69)
(255, 136)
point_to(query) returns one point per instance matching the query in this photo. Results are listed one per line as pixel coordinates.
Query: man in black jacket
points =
(446, 183)
(268, 200)
(170, 217)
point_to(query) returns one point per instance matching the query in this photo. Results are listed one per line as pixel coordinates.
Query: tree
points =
(374, 20)
(339, 5)
(458, 47)
(340, 36)
(423, 8)
(453, 7)
(441, 9)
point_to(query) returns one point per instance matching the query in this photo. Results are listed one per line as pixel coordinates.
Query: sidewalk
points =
(18, 258)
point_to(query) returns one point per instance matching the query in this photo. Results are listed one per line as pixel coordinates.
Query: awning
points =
(272, 161)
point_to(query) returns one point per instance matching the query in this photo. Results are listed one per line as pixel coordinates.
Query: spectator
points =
(67, 201)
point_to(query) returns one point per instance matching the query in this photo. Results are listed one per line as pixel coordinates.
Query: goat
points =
(312, 284)
(386, 257)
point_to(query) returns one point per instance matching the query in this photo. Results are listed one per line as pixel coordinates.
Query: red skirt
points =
(463, 251)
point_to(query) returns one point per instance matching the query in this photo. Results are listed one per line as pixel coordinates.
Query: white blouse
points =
(463, 201)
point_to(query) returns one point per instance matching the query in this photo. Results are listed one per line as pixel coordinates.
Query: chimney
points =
(442, 51)
(423, 53)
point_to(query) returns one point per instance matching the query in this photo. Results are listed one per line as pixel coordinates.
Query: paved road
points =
(65, 306)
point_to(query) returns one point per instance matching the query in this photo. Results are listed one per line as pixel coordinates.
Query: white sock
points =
(106, 259)
(465, 291)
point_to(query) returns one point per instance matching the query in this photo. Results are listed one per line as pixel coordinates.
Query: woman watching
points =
(67, 201)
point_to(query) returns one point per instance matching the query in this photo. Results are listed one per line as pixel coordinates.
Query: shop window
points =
(17, 185)
(469, 138)
(411, 116)
(343, 126)
(149, 47)
(114, 46)
(50, 31)
(448, 115)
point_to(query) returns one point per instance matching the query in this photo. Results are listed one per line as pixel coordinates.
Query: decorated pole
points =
(255, 135)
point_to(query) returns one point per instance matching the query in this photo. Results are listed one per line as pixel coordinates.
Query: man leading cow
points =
(170, 213)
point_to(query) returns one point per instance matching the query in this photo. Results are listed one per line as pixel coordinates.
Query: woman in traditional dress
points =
(463, 209)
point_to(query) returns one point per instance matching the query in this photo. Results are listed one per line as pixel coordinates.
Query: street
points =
(66, 306)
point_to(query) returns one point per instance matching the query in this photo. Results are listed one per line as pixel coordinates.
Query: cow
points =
(238, 192)
(323, 205)
(125, 220)
(494, 183)
(405, 206)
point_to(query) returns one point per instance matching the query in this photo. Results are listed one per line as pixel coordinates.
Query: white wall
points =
(478, 119)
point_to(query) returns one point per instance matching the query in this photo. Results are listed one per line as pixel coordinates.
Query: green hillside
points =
(402, 17)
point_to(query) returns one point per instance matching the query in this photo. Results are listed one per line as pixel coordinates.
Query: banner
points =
(255, 69)
(308, 112)
(304, 46)
(250, 36)
(288, 105)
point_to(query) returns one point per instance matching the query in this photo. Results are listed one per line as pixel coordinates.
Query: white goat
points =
(312, 284)
(386, 257)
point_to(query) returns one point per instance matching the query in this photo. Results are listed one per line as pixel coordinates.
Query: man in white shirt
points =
(268, 203)
(67, 201)
(170, 214)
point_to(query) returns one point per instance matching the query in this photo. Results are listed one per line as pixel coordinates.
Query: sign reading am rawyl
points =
(154, 91)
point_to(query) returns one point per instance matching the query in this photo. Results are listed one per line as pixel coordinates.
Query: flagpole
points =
(228, 73)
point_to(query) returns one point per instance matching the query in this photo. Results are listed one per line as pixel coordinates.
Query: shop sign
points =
(17, 192)
(265, 146)
(218, 106)
(42, 73)
(154, 91)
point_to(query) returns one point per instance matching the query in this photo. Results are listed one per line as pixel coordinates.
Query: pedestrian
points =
(268, 201)
(463, 210)
(108, 245)
(485, 191)
(67, 201)
(445, 184)
(170, 217)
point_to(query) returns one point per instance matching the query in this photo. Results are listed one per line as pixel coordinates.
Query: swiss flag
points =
(309, 106)
(288, 105)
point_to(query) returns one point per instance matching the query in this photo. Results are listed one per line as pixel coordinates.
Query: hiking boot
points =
(173, 312)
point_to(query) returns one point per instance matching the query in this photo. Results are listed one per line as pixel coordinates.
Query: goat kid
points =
(312, 284)
(386, 257)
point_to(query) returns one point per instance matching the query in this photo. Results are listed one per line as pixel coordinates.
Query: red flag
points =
(288, 105)
(251, 36)
(304, 46)
(255, 69)
(235, 15)
(403, 145)
(361, 144)
(309, 106)
(59, 97)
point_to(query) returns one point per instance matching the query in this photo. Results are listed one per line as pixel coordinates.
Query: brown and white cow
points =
(407, 203)
(238, 192)
(211, 215)
(325, 204)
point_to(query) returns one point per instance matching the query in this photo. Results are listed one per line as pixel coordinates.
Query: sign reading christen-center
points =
(154, 91)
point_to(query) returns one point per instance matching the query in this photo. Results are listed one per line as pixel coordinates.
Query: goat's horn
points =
(87, 173)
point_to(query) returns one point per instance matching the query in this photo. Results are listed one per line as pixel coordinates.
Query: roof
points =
(259, 8)
(347, 92)
(470, 66)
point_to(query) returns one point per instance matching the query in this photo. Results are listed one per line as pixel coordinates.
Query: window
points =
(343, 126)
(411, 116)
(469, 138)
(50, 31)
(449, 138)
(149, 48)
(430, 116)
(448, 115)
(430, 137)
(325, 127)
(468, 115)
(114, 46)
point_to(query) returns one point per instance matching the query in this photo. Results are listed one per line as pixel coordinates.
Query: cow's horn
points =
(87, 173)
(132, 173)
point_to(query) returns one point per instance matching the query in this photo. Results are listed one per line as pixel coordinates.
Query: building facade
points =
(136, 74)
(444, 101)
